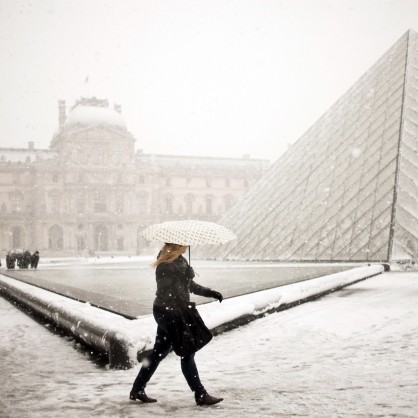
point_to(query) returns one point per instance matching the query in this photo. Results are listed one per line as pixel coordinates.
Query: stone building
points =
(91, 193)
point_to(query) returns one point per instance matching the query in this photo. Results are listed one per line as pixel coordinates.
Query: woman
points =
(180, 326)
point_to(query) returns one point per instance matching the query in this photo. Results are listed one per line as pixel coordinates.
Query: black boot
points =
(142, 396)
(207, 399)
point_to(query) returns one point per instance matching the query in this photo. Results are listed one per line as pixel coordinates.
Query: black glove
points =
(190, 272)
(217, 295)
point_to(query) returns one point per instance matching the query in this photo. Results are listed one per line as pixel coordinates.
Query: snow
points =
(351, 353)
(92, 115)
(93, 324)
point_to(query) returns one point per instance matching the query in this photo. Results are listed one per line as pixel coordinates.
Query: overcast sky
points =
(194, 77)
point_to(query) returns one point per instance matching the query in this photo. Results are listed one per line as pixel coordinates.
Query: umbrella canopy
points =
(188, 232)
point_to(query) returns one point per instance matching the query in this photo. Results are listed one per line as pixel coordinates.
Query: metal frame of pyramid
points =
(347, 190)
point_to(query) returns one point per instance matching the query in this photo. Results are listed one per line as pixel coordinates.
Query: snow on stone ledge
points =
(259, 302)
(137, 336)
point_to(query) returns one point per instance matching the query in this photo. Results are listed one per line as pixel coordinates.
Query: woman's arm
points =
(197, 289)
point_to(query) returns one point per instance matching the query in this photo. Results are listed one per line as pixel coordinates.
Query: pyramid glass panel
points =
(348, 188)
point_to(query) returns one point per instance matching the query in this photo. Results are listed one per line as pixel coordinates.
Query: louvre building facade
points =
(91, 193)
(348, 188)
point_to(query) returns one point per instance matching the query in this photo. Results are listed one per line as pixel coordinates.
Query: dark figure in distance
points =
(10, 260)
(179, 325)
(34, 260)
(23, 259)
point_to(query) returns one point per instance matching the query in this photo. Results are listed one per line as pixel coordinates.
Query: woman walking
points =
(179, 325)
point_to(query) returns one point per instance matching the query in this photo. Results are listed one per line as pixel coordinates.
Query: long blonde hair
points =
(169, 253)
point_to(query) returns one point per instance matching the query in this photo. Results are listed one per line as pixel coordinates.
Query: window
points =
(81, 244)
(100, 238)
(99, 202)
(169, 204)
(16, 237)
(209, 205)
(100, 157)
(55, 177)
(119, 203)
(16, 178)
(142, 203)
(80, 203)
(55, 238)
(16, 199)
(55, 201)
(228, 199)
(189, 204)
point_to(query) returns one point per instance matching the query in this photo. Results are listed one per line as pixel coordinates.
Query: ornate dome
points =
(94, 112)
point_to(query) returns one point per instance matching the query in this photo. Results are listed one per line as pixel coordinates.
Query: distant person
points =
(10, 260)
(180, 326)
(34, 260)
(23, 259)
(26, 259)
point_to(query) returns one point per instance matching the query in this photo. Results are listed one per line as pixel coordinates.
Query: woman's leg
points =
(161, 348)
(189, 369)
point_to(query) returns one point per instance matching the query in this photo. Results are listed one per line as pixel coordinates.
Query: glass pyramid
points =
(348, 188)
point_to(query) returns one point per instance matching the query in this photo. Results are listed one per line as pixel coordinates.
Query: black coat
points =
(182, 322)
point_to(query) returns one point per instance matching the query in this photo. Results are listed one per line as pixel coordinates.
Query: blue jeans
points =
(162, 347)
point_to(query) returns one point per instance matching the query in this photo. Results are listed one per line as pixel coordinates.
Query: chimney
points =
(31, 145)
(118, 108)
(62, 115)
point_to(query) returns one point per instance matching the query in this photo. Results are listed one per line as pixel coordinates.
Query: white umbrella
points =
(189, 232)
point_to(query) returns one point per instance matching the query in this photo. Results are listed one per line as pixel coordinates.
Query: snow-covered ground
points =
(351, 353)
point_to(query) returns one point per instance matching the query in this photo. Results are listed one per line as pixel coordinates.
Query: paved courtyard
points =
(350, 354)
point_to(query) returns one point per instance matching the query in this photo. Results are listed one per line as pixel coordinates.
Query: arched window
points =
(55, 238)
(100, 238)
